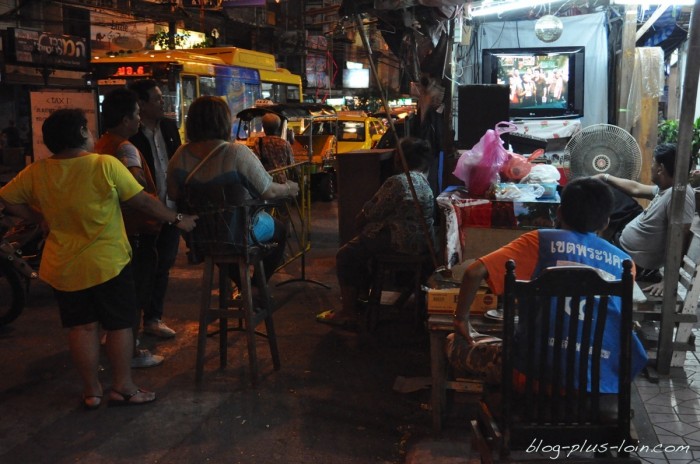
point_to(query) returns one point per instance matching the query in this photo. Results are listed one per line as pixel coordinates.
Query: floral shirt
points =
(274, 152)
(392, 207)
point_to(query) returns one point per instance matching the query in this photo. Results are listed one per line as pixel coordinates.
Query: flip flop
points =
(329, 318)
(126, 399)
(92, 402)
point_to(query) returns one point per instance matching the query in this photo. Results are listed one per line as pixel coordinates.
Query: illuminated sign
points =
(135, 70)
(48, 49)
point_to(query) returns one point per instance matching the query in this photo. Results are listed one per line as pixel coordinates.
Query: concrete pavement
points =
(332, 402)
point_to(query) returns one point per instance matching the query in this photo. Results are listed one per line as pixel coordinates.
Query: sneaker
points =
(158, 328)
(145, 358)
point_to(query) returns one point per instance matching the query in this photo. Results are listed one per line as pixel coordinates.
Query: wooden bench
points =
(648, 315)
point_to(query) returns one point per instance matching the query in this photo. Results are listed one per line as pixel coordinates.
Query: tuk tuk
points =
(318, 146)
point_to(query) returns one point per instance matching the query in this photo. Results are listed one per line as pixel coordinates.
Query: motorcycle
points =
(16, 266)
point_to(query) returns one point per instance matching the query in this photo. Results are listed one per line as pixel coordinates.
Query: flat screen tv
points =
(544, 82)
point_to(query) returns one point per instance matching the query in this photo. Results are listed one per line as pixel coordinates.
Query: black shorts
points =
(112, 303)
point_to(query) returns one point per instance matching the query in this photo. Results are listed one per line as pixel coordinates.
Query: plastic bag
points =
(519, 192)
(542, 174)
(478, 168)
(516, 167)
(547, 176)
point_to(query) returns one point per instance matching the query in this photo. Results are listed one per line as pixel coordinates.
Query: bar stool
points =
(386, 265)
(243, 309)
(224, 237)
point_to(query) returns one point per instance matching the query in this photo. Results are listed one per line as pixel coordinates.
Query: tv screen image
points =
(542, 82)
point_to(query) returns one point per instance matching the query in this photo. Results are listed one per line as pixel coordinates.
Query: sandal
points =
(123, 399)
(91, 402)
(329, 318)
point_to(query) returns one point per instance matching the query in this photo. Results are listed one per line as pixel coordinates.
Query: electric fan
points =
(603, 149)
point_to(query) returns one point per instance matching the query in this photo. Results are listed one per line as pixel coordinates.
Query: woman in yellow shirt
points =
(86, 256)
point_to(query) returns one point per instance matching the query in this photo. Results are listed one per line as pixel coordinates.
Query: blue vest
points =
(564, 247)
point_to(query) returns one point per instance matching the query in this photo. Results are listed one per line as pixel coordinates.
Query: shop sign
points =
(45, 102)
(49, 49)
(114, 32)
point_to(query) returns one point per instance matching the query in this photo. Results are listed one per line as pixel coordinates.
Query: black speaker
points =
(481, 107)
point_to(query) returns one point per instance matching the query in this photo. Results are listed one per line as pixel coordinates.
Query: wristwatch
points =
(177, 220)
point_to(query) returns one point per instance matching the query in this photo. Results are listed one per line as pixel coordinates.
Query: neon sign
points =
(140, 70)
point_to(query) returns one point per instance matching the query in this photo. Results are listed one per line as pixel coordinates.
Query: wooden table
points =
(474, 227)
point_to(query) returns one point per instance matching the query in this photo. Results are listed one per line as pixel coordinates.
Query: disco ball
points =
(548, 28)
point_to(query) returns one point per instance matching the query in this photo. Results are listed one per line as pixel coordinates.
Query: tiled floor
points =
(672, 407)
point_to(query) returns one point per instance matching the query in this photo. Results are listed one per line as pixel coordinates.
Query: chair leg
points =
(419, 313)
(480, 445)
(224, 300)
(267, 303)
(249, 309)
(375, 298)
(437, 368)
(204, 303)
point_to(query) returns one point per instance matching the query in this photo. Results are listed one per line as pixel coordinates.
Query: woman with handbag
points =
(209, 159)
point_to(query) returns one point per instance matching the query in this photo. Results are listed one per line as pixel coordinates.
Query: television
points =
(544, 82)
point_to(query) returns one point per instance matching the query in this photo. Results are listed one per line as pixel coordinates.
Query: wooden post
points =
(646, 133)
(674, 240)
(646, 129)
(626, 66)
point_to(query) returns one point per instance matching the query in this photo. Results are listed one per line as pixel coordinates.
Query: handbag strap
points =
(201, 163)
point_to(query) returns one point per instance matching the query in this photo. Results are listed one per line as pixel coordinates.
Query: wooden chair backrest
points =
(560, 399)
(226, 220)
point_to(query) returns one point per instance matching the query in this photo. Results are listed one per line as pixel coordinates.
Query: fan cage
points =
(603, 149)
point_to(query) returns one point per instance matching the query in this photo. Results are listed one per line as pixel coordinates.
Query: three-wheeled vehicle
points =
(318, 147)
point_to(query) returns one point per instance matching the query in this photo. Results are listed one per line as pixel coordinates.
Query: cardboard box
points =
(444, 301)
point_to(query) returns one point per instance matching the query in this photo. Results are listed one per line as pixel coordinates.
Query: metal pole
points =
(676, 238)
(414, 195)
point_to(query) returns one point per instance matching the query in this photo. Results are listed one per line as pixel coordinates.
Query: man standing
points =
(274, 152)
(644, 237)
(586, 204)
(120, 118)
(157, 139)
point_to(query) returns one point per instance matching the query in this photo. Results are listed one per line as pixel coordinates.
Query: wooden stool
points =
(241, 308)
(386, 265)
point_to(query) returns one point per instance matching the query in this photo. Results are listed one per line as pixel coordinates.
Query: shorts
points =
(482, 359)
(112, 303)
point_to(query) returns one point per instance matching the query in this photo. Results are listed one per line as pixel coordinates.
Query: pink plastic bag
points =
(478, 168)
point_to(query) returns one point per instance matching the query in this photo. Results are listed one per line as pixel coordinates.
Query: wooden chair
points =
(223, 237)
(554, 403)
(648, 314)
(385, 269)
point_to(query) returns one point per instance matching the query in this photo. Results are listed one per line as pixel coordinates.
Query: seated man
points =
(272, 150)
(585, 207)
(644, 237)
